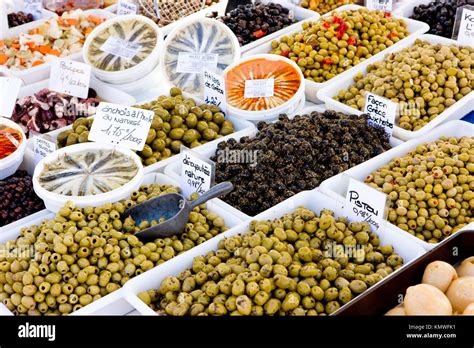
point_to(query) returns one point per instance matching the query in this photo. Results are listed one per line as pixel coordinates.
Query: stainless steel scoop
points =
(174, 207)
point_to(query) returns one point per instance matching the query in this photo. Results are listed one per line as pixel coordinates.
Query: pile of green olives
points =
(177, 121)
(299, 264)
(82, 255)
(431, 189)
(424, 79)
(336, 43)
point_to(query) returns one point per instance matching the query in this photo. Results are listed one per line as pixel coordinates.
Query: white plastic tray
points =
(219, 8)
(301, 14)
(336, 186)
(455, 112)
(15, 31)
(414, 27)
(174, 169)
(41, 72)
(314, 200)
(114, 303)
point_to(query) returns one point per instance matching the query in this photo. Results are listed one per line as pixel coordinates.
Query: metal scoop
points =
(174, 208)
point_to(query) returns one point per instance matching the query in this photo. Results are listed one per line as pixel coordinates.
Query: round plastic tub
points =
(205, 38)
(54, 201)
(129, 74)
(288, 94)
(10, 164)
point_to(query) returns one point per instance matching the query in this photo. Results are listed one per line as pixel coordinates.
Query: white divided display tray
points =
(114, 303)
(313, 200)
(336, 187)
(414, 27)
(455, 112)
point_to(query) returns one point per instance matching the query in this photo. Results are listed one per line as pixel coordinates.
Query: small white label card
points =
(195, 63)
(157, 9)
(125, 8)
(382, 5)
(364, 203)
(214, 90)
(9, 89)
(70, 77)
(121, 125)
(260, 88)
(121, 48)
(381, 112)
(42, 147)
(197, 173)
(465, 35)
(34, 7)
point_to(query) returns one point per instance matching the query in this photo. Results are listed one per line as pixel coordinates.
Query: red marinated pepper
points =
(285, 53)
(352, 41)
(328, 61)
(259, 33)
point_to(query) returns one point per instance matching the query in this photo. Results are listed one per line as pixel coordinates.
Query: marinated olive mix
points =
(334, 44)
(251, 22)
(18, 199)
(300, 264)
(431, 189)
(177, 121)
(425, 79)
(440, 15)
(294, 155)
(81, 255)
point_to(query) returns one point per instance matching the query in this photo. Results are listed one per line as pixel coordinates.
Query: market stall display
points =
(236, 89)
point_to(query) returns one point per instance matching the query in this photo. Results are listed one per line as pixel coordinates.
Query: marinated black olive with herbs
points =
(250, 22)
(18, 199)
(295, 155)
(440, 15)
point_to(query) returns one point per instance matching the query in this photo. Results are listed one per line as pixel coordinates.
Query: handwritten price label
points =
(381, 112)
(364, 203)
(121, 125)
(382, 5)
(214, 90)
(42, 147)
(9, 89)
(125, 8)
(196, 173)
(70, 77)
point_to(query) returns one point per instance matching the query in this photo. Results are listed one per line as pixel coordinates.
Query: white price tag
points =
(121, 125)
(214, 90)
(34, 7)
(364, 203)
(191, 63)
(9, 89)
(196, 173)
(381, 112)
(382, 5)
(121, 48)
(261, 88)
(125, 8)
(466, 28)
(70, 77)
(157, 9)
(42, 147)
